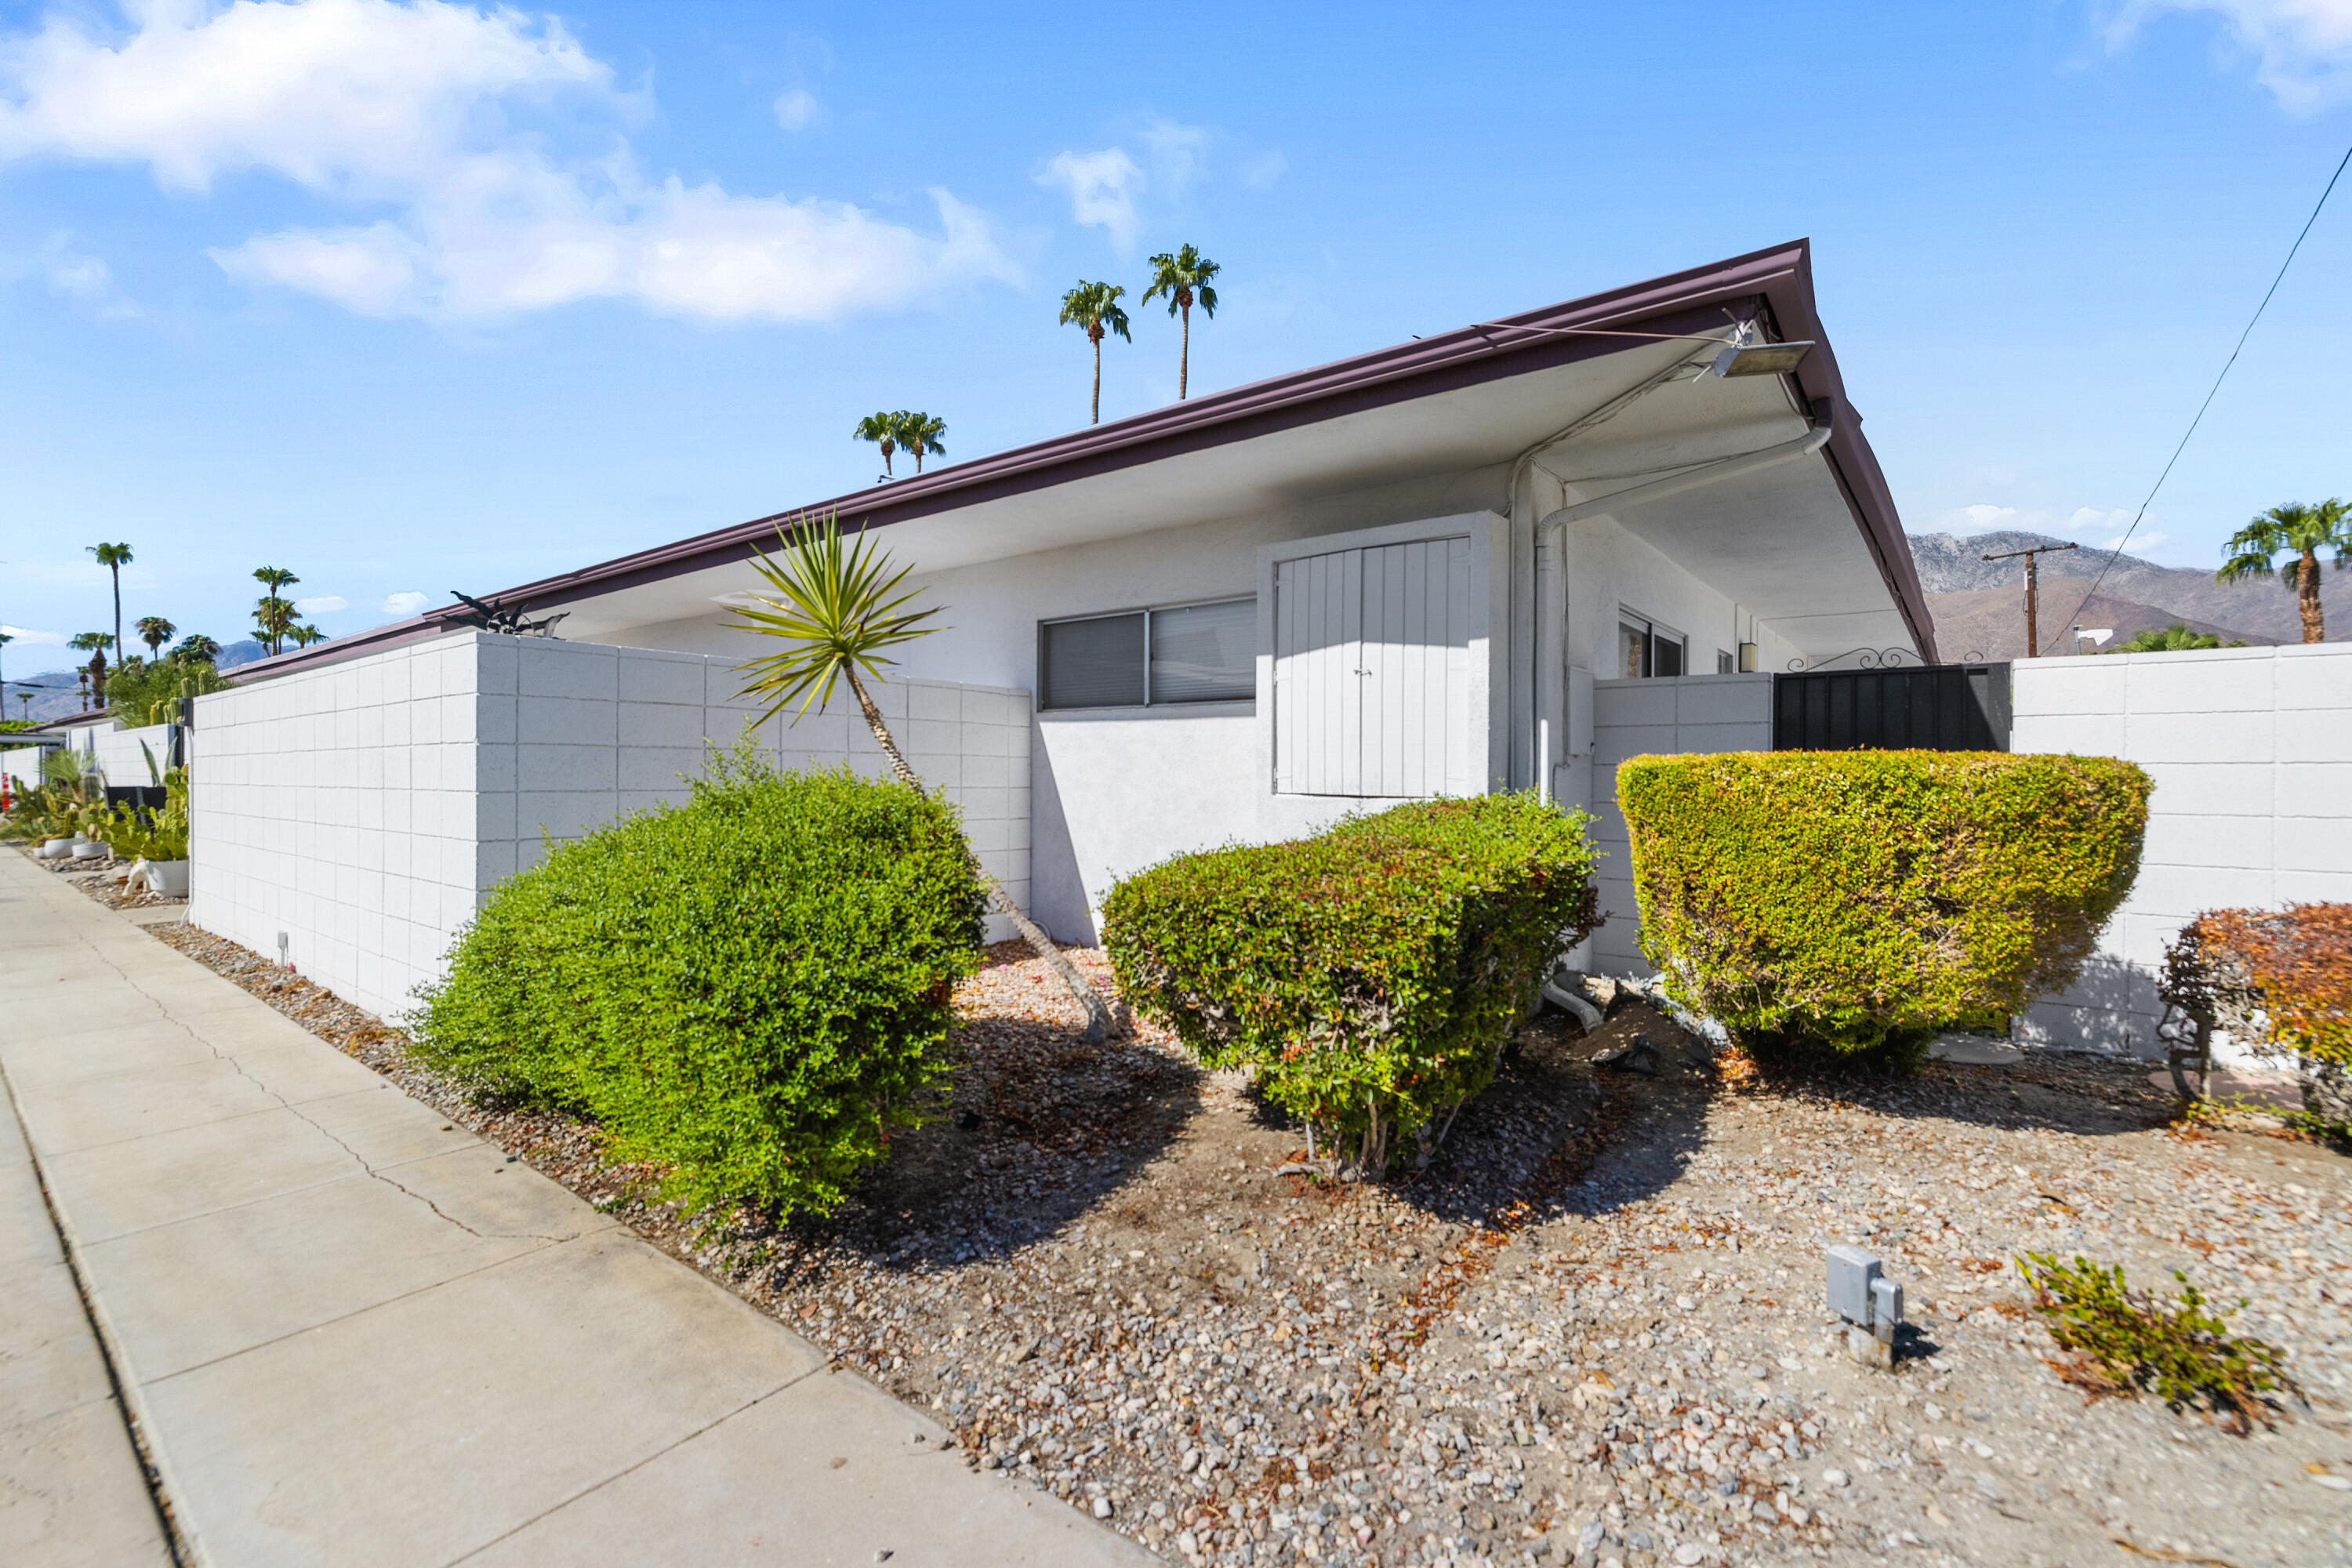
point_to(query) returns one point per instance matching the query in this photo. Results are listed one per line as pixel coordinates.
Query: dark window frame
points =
(1652, 627)
(1045, 684)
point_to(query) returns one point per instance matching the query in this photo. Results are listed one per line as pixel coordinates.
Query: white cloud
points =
(796, 109)
(1263, 170)
(411, 105)
(323, 605)
(1102, 187)
(403, 604)
(24, 636)
(1179, 155)
(2302, 48)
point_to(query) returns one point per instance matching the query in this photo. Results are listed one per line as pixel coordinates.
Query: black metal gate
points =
(1928, 707)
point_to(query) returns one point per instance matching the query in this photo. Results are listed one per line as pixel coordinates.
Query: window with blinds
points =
(1184, 653)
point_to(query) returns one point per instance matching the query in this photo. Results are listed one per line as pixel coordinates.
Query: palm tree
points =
(1095, 307)
(1183, 278)
(6, 639)
(195, 649)
(154, 631)
(922, 433)
(837, 610)
(2305, 529)
(273, 616)
(882, 430)
(114, 558)
(93, 674)
(303, 636)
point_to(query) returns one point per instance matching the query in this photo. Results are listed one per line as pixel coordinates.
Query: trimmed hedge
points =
(2280, 980)
(1859, 898)
(750, 988)
(1370, 974)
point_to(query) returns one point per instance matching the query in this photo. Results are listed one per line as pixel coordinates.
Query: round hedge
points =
(1843, 896)
(749, 989)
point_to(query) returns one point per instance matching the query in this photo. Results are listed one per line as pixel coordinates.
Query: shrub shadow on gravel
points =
(1040, 1130)
(2079, 1093)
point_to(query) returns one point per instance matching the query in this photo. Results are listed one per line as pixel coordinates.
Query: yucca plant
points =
(839, 608)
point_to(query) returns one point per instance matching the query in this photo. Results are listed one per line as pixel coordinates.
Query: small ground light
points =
(1871, 1303)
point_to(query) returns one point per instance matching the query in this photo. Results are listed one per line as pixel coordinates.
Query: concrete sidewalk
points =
(350, 1334)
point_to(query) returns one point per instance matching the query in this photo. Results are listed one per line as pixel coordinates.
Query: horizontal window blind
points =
(1204, 653)
(1095, 664)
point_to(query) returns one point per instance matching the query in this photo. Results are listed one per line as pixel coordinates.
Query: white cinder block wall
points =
(121, 759)
(2250, 750)
(364, 808)
(1656, 717)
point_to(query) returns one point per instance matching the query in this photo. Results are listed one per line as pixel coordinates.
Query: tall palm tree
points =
(2305, 529)
(154, 631)
(195, 649)
(882, 430)
(839, 609)
(922, 433)
(114, 558)
(303, 636)
(273, 616)
(93, 674)
(1095, 307)
(1183, 278)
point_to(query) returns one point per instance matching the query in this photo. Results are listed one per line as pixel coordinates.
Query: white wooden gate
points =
(1372, 671)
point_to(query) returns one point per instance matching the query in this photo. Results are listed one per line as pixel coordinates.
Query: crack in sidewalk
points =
(164, 1009)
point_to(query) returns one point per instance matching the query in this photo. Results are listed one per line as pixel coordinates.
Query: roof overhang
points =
(1454, 403)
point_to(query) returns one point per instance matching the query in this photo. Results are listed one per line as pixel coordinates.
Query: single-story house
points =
(1240, 616)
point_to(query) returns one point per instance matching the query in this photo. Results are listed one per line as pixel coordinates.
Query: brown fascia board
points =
(1778, 280)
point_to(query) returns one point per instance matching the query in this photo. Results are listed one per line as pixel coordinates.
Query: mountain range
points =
(1979, 605)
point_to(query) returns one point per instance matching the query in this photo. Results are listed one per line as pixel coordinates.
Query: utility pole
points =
(2032, 589)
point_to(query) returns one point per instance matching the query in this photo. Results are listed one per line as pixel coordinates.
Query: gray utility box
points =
(1861, 1294)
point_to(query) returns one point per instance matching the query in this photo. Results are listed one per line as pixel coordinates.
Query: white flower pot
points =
(169, 877)
(89, 849)
(56, 849)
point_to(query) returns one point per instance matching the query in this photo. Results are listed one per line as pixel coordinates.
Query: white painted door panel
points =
(1372, 671)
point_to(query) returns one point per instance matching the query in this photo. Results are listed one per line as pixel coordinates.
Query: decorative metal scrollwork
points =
(1864, 657)
(508, 622)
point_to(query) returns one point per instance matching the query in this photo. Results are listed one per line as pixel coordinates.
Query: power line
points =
(2117, 553)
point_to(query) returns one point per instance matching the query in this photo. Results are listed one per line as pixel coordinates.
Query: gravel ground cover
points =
(1591, 1332)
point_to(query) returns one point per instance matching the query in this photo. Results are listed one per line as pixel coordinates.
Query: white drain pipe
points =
(1551, 608)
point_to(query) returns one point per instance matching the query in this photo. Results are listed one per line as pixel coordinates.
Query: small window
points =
(1204, 653)
(1186, 653)
(1723, 663)
(1094, 664)
(1646, 649)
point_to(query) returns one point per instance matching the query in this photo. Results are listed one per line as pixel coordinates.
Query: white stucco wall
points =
(2250, 751)
(364, 808)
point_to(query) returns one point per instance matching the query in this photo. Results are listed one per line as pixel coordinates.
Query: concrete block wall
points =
(365, 808)
(1656, 717)
(121, 759)
(2250, 751)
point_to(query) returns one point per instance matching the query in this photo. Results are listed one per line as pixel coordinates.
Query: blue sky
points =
(406, 298)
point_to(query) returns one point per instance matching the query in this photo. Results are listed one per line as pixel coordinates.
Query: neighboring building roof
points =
(1779, 279)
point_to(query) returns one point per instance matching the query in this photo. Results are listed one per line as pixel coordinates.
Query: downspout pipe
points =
(1722, 468)
(1551, 577)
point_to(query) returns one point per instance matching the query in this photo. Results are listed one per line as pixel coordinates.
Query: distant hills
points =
(58, 692)
(1979, 605)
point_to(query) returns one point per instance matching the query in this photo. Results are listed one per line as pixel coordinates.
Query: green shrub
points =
(141, 691)
(1371, 975)
(751, 988)
(1865, 899)
(2122, 1339)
